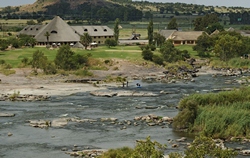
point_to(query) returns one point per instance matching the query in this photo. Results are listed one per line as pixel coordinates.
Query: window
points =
(31, 29)
(95, 30)
(105, 30)
(94, 36)
(85, 30)
(36, 28)
(53, 31)
(105, 37)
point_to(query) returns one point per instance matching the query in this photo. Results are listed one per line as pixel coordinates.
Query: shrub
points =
(2, 62)
(158, 60)
(124, 152)
(147, 55)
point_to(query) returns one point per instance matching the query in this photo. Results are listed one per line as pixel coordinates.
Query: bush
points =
(124, 152)
(25, 61)
(152, 47)
(2, 62)
(158, 60)
(147, 55)
(50, 68)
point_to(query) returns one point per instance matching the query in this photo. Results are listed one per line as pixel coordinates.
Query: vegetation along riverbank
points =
(59, 48)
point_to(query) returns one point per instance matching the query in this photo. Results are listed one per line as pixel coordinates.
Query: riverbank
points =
(23, 83)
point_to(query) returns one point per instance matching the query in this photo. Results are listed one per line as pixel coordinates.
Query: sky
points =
(228, 3)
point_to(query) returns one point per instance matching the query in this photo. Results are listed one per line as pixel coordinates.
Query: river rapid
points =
(29, 142)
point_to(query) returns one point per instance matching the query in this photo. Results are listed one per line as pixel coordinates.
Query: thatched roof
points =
(230, 29)
(31, 30)
(216, 32)
(78, 45)
(94, 30)
(59, 31)
(186, 35)
(166, 33)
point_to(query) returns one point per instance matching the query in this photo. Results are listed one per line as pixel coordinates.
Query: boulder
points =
(7, 115)
(59, 122)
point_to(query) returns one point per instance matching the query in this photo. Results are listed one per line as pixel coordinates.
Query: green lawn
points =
(190, 50)
(14, 57)
(132, 53)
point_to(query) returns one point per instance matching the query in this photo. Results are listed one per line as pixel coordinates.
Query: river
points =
(30, 142)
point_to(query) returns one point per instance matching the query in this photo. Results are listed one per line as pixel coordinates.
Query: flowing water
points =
(30, 142)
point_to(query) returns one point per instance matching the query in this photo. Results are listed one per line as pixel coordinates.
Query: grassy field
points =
(132, 53)
(189, 48)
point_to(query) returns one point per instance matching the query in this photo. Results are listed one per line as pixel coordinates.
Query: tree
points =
(148, 149)
(47, 34)
(201, 23)
(148, 15)
(227, 47)
(116, 29)
(206, 147)
(203, 45)
(147, 54)
(67, 60)
(170, 53)
(158, 39)
(150, 32)
(31, 22)
(110, 43)
(64, 57)
(3, 44)
(39, 61)
(85, 40)
(172, 24)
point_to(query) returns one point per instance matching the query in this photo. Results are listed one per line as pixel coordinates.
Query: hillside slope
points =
(43, 5)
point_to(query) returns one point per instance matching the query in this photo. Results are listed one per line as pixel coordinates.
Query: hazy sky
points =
(242, 3)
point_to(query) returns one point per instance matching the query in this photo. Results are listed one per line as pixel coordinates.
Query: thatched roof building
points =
(181, 37)
(57, 31)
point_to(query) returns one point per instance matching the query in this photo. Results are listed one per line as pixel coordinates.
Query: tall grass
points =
(224, 121)
(220, 115)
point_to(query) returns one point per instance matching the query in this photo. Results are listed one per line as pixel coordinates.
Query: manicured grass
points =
(189, 48)
(14, 57)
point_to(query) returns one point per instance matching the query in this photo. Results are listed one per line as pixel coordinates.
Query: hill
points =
(44, 5)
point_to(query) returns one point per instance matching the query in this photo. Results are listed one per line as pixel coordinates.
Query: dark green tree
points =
(201, 23)
(203, 45)
(3, 44)
(31, 22)
(116, 30)
(39, 60)
(148, 15)
(67, 60)
(170, 53)
(227, 47)
(215, 26)
(172, 24)
(110, 43)
(150, 32)
(147, 54)
(64, 58)
(158, 39)
(85, 40)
